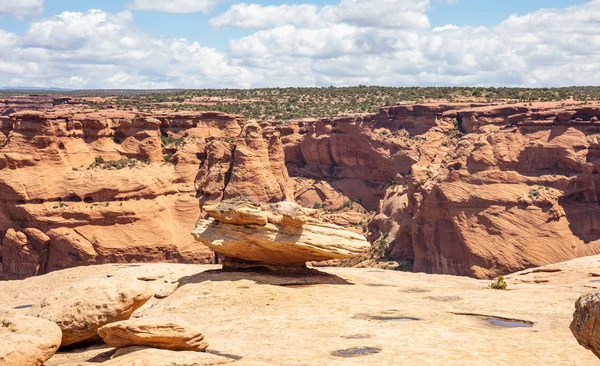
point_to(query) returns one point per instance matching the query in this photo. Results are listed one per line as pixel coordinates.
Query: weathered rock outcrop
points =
(27, 341)
(67, 175)
(282, 234)
(253, 166)
(31, 103)
(518, 190)
(586, 322)
(82, 308)
(165, 333)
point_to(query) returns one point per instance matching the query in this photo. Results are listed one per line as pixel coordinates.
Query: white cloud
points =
(174, 6)
(364, 13)
(353, 42)
(342, 44)
(21, 8)
(96, 49)
(255, 16)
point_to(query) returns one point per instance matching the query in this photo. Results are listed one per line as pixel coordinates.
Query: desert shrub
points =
(318, 205)
(498, 284)
(534, 193)
(171, 140)
(114, 164)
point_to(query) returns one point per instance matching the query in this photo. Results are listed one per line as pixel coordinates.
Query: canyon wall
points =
(518, 190)
(102, 187)
(459, 189)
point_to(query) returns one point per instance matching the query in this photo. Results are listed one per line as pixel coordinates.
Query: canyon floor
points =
(345, 316)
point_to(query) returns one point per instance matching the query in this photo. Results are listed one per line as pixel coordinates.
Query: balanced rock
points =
(27, 341)
(142, 356)
(81, 308)
(169, 334)
(284, 234)
(586, 322)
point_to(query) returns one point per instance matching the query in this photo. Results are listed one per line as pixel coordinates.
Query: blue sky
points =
(194, 26)
(281, 43)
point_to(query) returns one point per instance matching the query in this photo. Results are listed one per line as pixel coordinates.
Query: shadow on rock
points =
(265, 276)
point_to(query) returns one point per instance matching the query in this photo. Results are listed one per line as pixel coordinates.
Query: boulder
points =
(169, 334)
(27, 341)
(282, 234)
(586, 322)
(142, 356)
(81, 308)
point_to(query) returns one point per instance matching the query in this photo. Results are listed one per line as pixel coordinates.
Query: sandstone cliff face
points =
(83, 187)
(252, 166)
(459, 189)
(93, 187)
(518, 190)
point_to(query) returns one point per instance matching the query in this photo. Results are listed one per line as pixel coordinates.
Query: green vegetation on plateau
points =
(295, 103)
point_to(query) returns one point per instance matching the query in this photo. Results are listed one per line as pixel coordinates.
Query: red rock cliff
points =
(457, 189)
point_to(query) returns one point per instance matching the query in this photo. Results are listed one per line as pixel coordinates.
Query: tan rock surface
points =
(27, 341)
(586, 322)
(303, 322)
(163, 333)
(280, 234)
(81, 308)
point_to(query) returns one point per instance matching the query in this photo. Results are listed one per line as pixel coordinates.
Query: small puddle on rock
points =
(445, 298)
(595, 281)
(509, 323)
(501, 322)
(394, 318)
(415, 291)
(358, 336)
(356, 352)
(23, 307)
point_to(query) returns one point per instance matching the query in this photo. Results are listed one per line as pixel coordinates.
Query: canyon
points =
(466, 189)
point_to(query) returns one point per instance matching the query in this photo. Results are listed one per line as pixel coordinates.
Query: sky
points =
(157, 44)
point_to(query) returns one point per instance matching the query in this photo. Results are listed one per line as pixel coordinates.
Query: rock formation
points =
(31, 103)
(517, 190)
(169, 334)
(586, 322)
(27, 341)
(253, 166)
(263, 318)
(476, 190)
(80, 309)
(283, 234)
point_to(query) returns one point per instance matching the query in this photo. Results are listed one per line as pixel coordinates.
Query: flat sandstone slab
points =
(378, 317)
